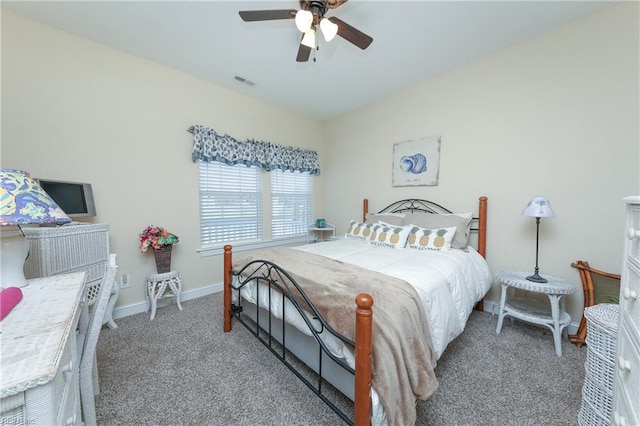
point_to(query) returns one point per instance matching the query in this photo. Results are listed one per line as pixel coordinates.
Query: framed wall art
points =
(416, 162)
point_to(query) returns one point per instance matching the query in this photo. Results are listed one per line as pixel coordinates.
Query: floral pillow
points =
(430, 239)
(358, 230)
(389, 235)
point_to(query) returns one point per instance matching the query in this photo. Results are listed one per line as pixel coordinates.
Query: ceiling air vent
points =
(244, 81)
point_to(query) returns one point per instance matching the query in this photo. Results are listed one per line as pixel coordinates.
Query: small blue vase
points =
(321, 223)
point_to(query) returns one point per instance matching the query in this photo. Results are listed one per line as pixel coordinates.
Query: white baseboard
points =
(494, 308)
(137, 308)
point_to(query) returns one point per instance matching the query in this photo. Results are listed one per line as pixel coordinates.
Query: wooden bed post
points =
(362, 392)
(482, 227)
(365, 209)
(226, 283)
(482, 237)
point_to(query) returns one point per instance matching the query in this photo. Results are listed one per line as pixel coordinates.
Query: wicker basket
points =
(589, 416)
(597, 390)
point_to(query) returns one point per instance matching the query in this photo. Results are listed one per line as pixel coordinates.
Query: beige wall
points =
(76, 110)
(555, 116)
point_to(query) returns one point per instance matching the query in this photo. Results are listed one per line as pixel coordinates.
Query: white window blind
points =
(230, 203)
(291, 198)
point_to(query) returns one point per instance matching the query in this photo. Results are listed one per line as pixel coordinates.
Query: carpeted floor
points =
(181, 369)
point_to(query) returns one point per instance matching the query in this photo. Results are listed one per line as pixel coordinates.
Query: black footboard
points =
(276, 298)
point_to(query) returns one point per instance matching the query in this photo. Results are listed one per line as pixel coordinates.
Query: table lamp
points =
(538, 207)
(22, 202)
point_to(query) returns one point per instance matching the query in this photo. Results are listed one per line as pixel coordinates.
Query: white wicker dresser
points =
(39, 361)
(626, 391)
(71, 248)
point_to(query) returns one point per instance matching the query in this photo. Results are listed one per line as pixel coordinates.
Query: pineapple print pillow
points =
(358, 230)
(430, 239)
(386, 235)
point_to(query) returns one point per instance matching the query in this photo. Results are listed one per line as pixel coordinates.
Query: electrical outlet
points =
(124, 283)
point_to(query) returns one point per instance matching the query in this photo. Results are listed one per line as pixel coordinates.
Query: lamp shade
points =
(304, 19)
(24, 202)
(538, 207)
(329, 29)
(309, 39)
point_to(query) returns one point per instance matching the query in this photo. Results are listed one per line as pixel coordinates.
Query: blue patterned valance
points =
(210, 146)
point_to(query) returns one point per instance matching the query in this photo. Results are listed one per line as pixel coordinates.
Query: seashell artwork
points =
(415, 164)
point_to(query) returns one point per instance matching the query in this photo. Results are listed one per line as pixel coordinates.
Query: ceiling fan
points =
(308, 19)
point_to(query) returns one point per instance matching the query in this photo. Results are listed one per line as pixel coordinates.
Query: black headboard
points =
(415, 205)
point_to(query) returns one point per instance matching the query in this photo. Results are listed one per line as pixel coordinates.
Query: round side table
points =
(555, 318)
(160, 286)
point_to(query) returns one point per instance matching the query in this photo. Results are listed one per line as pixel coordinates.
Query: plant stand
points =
(160, 286)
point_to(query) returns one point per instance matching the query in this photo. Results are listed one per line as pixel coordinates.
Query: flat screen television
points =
(75, 198)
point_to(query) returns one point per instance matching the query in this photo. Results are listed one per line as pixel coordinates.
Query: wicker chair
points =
(599, 287)
(89, 329)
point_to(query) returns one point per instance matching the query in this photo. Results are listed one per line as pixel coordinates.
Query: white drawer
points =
(44, 403)
(67, 369)
(628, 363)
(69, 415)
(630, 290)
(623, 411)
(633, 231)
(12, 409)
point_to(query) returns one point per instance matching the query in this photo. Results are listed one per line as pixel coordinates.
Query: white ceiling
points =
(412, 41)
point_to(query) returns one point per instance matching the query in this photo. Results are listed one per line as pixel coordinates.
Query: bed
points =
(369, 314)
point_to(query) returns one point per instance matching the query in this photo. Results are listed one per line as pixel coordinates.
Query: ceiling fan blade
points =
(332, 4)
(267, 15)
(351, 34)
(303, 53)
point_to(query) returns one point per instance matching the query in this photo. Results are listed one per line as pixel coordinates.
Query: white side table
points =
(533, 311)
(311, 231)
(161, 286)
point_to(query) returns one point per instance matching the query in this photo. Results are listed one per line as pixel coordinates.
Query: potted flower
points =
(161, 241)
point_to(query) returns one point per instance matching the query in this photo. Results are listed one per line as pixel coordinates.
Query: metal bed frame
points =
(273, 332)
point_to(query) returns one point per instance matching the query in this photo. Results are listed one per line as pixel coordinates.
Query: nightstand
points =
(313, 229)
(552, 316)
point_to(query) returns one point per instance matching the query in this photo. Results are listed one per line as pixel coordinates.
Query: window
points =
(230, 203)
(291, 197)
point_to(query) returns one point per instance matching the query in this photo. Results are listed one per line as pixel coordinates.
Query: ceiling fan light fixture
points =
(304, 19)
(329, 29)
(309, 39)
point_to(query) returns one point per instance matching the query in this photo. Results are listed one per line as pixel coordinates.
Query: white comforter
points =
(449, 283)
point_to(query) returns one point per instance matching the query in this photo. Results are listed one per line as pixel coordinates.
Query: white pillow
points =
(430, 239)
(356, 230)
(389, 235)
(466, 215)
(393, 218)
(388, 224)
(437, 221)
